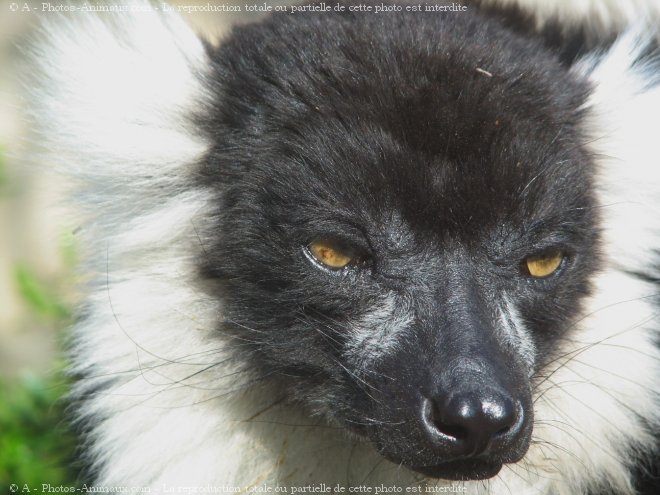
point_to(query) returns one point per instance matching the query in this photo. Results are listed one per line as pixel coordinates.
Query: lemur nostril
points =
(457, 432)
(434, 423)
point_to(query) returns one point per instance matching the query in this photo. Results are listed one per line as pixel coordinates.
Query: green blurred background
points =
(38, 280)
(37, 296)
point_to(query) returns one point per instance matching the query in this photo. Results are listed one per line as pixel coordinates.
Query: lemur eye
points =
(329, 255)
(544, 265)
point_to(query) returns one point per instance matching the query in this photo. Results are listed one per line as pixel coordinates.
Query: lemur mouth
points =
(464, 470)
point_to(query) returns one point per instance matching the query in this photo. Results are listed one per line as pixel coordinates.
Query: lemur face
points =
(405, 233)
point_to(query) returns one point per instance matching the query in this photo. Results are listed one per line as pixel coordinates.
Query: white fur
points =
(597, 15)
(166, 406)
(392, 316)
(514, 333)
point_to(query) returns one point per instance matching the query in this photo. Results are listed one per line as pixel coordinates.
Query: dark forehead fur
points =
(407, 135)
(427, 111)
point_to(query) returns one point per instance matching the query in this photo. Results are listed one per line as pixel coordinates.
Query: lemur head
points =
(404, 227)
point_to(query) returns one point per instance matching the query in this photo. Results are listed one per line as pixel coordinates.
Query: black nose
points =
(471, 423)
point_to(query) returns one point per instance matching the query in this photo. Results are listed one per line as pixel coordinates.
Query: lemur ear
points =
(111, 102)
(120, 90)
(572, 29)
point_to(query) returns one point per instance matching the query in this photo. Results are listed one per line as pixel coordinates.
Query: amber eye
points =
(329, 255)
(544, 265)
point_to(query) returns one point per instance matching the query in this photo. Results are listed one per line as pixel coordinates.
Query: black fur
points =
(442, 150)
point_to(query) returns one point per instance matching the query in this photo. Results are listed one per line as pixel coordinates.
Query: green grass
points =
(35, 444)
(43, 301)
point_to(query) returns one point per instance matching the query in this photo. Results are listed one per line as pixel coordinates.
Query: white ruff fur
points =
(166, 405)
(597, 15)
